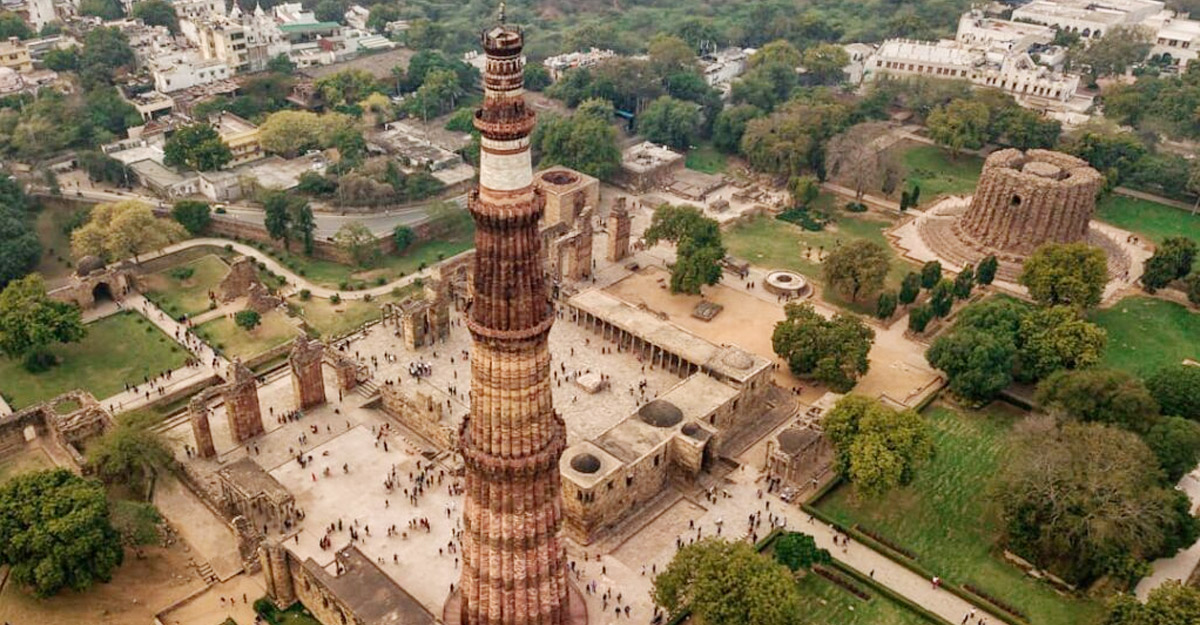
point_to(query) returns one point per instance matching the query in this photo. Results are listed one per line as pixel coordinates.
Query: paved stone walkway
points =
(1180, 566)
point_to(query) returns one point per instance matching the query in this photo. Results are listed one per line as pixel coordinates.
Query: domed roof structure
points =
(660, 413)
(88, 264)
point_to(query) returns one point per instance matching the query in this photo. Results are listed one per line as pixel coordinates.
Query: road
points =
(381, 223)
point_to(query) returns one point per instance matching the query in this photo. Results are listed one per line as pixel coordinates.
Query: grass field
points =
(946, 518)
(55, 264)
(933, 169)
(117, 349)
(186, 297)
(1150, 219)
(234, 342)
(776, 244)
(705, 158)
(331, 320)
(826, 604)
(1145, 334)
(333, 275)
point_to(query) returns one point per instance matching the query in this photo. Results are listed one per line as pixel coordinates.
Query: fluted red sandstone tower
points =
(1025, 199)
(513, 564)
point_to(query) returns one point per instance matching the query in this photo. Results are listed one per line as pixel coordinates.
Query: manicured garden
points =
(947, 520)
(827, 604)
(121, 348)
(332, 320)
(1145, 334)
(184, 288)
(936, 171)
(775, 244)
(233, 341)
(1150, 219)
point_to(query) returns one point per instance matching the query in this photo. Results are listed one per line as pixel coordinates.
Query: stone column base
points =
(577, 607)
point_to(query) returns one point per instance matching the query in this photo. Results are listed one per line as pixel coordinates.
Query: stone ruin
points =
(72, 419)
(308, 380)
(421, 319)
(569, 255)
(1023, 200)
(240, 395)
(243, 281)
(93, 282)
(619, 227)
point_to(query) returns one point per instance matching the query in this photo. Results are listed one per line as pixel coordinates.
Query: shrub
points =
(919, 318)
(344, 285)
(305, 295)
(856, 207)
(335, 298)
(367, 297)
(220, 210)
(182, 273)
(886, 305)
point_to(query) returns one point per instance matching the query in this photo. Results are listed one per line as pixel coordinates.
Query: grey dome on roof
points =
(738, 359)
(660, 413)
(585, 463)
(88, 264)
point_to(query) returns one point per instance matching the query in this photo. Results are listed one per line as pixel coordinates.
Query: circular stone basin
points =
(787, 283)
(1043, 170)
(660, 413)
(585, 463)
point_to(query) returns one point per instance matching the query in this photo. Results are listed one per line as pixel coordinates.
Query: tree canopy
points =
(698, 247)
(30, 321)
(585, 142)
(356, 241)
(130, 453)
(1176, 388)
(1170, 604)
(669, 121)
(56, 532)
(832, 351)
(198, 147)
(728, 583)
(856, 269)
(193, 215)
(123, 230)
(1104, 396)
(1070, 274)
(877, 448)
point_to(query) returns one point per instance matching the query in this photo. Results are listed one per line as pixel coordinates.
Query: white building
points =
(563, 62)
(1088, 18)
(184, 70)
(722, 67)
(1175, 36)
(1001, 36)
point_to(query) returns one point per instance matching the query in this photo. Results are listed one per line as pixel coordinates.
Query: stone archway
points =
(102, 292)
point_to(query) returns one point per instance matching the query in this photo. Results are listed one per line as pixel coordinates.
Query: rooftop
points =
(646, 156)
(250, 478)
(370, 592)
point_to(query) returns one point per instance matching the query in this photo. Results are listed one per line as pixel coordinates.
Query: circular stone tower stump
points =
(1025, 199)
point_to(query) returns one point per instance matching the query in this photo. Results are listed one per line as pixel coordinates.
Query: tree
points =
(281, 64)
(21, 250)
(1072, 274)
(931, 274)
(316, 184)
(277, 217)
(698, 246)
(1176, 388)
(790, 141)
(122, 230)
(1056, 338)
(910, 288)
(346, 87)
(106, 10)
(288, 133)
(986, 272)
(247, 319)
(669, 121)
(832, 351)
(1191, 288)
(727, 583)
(193, 215)
(853, 157)
(857, 268)
(157, 13)
(730, 125)
(919, 318)
(886, 306)
(1175, 441)
(964, 282)
(11, 25)
(423, 34)
(403, 236)
(1099, 395)
(130, 453)
(105, 51)
(1082, 500)
(670, 54)
(581, 142)
(198, 147)
(56, 532)
(537, 77)
(1173, 603)
(978, 364)
(800, 551)
(876, 448)
(941, 298)
(356, 241)
(330, 11)
(62, 59)
(30, 322)
(825, 62)
(1114, 52)
(961, 124)
(1171, 260)
(804, 190)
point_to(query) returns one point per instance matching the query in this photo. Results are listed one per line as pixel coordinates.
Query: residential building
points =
(1089, 19)
(240, 135)
(563, 62)
(14, 54)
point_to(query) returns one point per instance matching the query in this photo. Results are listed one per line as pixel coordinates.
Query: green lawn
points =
(774, 244)
(333, 275)
(1150, 219)
(332, 320)
(56, 263)
(705, 158)
(827, 604)
(1145, 334)
(946, 518)
(234, 342)
(117, 349)
(186, 297)
(936, 172)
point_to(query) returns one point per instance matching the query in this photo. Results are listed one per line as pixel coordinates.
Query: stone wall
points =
(1026, 199)
(420, 413)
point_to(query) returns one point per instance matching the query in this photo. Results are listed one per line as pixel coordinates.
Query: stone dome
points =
(585, 463)
(660, 413)
(88, 264)
(738, 359)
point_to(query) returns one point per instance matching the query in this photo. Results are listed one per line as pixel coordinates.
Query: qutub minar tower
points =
(513, 563)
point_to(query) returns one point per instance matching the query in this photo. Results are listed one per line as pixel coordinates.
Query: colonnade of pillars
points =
(627, 341)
